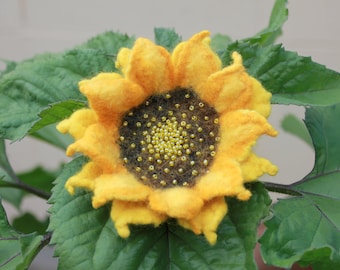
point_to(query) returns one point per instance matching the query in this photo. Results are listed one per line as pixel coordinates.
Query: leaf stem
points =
(281, 188)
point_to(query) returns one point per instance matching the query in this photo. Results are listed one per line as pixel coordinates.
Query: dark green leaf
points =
(278, 17)
(56, 112)
(85, 238)
(28, 223)
(291, 78)
(308, 227)
(33, 85)
(51, 78)
(296, 127)
(16, 250)
(39, 178)
(167, 38)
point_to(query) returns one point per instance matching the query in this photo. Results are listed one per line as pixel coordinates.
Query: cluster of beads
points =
(170, 139)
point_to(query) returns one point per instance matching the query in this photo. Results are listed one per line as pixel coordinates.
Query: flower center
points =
(170, 139)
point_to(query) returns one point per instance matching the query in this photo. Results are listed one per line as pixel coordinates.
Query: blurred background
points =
(30, 27)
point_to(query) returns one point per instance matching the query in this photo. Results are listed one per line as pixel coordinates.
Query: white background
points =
(29, 27)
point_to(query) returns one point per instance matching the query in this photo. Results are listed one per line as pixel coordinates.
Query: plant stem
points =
(23, 186)
(281, 188)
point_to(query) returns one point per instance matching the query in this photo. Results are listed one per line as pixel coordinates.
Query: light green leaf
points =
(6, 170)
(291, 78)
(85, 238)
(10, 65)
(278, 17)
(109, 43)
(57, 112)
(167, 38)
(296, 127)
(219, 42)
(51, 135)
(310, 224)
(51, 78)
(17, 251)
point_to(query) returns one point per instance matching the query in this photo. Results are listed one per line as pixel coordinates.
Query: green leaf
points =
(109, 42)
(12, 186)
(17, 251)
(51, 78)
(39, 177)
(219, 42)
(278, 17)
(316, 211)
(7, 178)
(50, 135)
(167, 38)
(57, 112)
(10, 65)
(6, 170)
(291, 78)
(28, 223)
(296, 127)
(85, 238)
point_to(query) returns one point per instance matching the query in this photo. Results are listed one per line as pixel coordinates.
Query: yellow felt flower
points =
(170, 136)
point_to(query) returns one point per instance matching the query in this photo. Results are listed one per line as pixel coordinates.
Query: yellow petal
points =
(121, 185)
(99, 144)
(109, 95)
(260, 98)
(84, 179)
(229, 81)
(208, 219)
(223, 179)
(78, 122)
(178, 202)
(239, 131)
(125, 213)
(148, 65)
(194, 61)
(254, 166)
(233, 89)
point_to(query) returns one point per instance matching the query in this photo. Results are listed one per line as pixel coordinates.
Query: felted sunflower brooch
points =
(170, 136)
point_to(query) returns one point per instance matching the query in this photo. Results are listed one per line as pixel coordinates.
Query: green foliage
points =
(108, 42)
(52, 78)
(8, 179)
(95, 243)
(167, 38)
(50, 135)
(37, 93)
(219, 42)
(296, 127)
(57, 112)
(14, 186)
(39, 177)
(278, 17)
(316, 211)
(17, 250)
(291, 78)
(28, 223)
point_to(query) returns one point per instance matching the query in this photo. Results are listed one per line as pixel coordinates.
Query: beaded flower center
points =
(170, 139)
